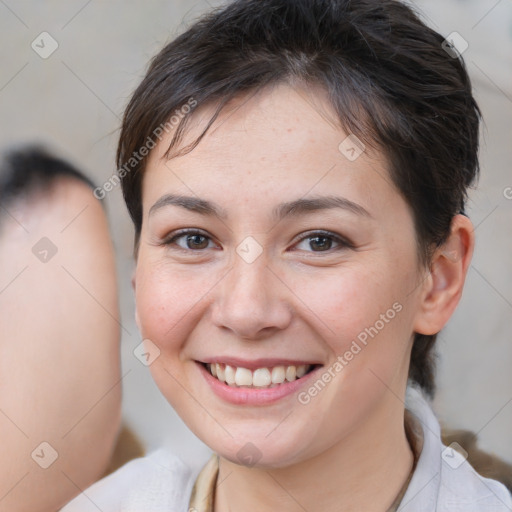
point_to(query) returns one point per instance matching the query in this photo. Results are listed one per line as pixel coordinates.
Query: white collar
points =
(443, 480)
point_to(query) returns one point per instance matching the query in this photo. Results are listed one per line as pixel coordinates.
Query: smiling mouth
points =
(260, 378)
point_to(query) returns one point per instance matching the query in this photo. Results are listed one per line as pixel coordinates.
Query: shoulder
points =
(444, 480)
(156, 483)
(463, 489)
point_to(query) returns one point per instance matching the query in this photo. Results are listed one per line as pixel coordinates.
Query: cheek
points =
(169, 301)
(346, 301)
(363, 317)
(363, 314)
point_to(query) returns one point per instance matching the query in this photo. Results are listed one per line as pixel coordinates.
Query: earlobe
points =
(443, 288)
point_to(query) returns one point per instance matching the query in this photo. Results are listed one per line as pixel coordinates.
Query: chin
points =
(259, 450)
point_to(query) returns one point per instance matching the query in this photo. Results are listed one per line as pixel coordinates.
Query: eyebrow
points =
(297, 207)
(193, 204)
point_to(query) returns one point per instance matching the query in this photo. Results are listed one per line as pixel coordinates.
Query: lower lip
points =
(253, 396)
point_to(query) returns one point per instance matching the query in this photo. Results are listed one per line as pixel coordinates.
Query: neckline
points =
(202, 498)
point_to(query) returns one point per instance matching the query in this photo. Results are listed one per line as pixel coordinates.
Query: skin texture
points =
(60, 348)
(291, 302)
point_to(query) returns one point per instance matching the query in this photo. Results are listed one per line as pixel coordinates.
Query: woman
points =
(297, 174)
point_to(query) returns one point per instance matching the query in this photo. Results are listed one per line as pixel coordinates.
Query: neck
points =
(364, 471)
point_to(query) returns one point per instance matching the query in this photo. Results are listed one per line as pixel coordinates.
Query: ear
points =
(442, 289)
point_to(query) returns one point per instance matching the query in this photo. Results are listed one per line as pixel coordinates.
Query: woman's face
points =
(274, 248)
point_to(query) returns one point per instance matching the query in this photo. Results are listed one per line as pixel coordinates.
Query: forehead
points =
(280, 140)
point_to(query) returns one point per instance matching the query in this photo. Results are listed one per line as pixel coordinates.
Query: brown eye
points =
(197, 241)
(320, 243)
(190, 240)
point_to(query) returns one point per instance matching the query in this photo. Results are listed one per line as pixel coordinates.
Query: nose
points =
(251, 301)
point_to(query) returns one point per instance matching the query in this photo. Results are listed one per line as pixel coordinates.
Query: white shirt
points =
(443, 480)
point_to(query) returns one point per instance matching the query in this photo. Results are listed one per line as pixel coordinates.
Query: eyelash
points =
(342, 242)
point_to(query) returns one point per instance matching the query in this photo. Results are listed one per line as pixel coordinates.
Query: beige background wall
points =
(73, 101)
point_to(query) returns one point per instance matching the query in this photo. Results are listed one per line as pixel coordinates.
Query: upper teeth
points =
(260, 378)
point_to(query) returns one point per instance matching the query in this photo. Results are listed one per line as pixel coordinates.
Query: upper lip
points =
(254, 364)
